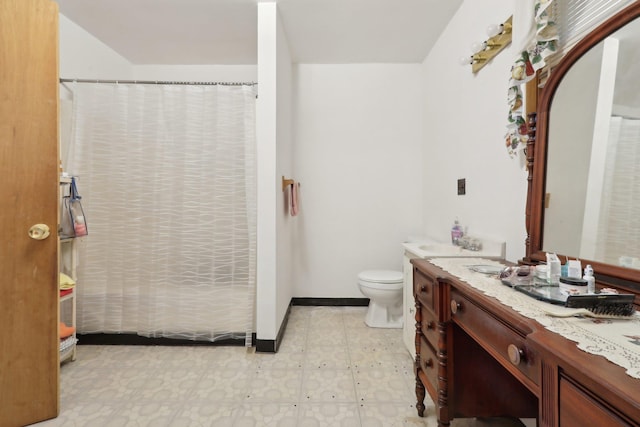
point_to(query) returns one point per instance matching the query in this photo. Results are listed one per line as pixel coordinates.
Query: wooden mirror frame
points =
(608, 275)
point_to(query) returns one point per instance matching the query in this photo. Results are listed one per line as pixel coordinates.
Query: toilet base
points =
(382, 317)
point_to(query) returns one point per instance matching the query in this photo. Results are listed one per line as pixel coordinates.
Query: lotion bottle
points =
(456, 232)
(591, 281)
(553, 268)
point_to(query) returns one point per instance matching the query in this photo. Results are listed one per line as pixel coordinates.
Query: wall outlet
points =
(462, 187)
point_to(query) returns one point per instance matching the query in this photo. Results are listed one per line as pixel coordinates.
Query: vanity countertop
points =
(431, 248)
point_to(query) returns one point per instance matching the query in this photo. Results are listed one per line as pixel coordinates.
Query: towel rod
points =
(286, 182)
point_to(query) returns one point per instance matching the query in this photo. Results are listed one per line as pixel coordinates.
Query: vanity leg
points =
(420, 393)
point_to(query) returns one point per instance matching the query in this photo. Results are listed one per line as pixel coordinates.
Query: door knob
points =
(39, 231)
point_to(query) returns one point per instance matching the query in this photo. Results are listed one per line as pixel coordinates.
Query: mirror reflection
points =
(592, 204)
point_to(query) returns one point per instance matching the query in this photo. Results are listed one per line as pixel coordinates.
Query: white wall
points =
(275, 148)
(197, 73)
(285, 224)
(358, 158)
(266, 173)
(464, 121)
(82, 56)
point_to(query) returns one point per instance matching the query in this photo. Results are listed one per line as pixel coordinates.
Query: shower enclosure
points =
(168, 178)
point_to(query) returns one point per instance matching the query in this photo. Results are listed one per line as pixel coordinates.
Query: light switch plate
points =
(462, 186)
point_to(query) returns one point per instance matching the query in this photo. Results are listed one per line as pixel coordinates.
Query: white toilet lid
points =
(381, 276)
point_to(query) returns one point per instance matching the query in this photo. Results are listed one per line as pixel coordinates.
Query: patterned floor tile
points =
(268, 415)
(329, 415)
(327, 357)
(331, 370)
(394, 415)
(280, 360)
(275, 385)
(222, 385)
(108, 385)
(176, 384)
(206, 414)
(328, 385)
(379, 385)
(81, 414)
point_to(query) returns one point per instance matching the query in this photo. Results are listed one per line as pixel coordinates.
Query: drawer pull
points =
(430, 325)
(455, 306)
(423, 288)
(429, 363)
(516, 355)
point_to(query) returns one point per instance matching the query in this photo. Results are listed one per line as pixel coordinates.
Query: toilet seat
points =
(380, 276)
(381, 279)
(381, 286)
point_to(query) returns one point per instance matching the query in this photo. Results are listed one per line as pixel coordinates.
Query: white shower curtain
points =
(618, 234)
(167, 174)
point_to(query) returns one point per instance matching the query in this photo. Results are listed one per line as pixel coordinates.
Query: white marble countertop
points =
(430, 248)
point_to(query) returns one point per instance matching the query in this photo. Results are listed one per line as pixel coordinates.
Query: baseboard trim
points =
(272, 346)
(134, 339)
(331, 302)
(262, 346)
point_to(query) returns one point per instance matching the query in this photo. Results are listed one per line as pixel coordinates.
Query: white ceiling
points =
(225, 31)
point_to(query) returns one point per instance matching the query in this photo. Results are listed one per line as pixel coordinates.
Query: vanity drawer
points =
(424, 289)
(583, 407)
(429, 363)
(506, 344)
(429, 326)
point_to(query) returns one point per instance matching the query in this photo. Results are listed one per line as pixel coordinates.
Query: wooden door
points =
(29, 168)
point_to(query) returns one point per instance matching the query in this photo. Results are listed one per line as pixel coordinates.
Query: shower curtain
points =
(167, 174)
(618, 234)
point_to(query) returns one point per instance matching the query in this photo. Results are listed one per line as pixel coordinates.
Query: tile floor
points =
(331, 370)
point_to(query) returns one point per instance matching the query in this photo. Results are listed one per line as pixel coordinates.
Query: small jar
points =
(573, 286)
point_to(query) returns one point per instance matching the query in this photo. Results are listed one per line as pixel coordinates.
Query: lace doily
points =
(616, 340)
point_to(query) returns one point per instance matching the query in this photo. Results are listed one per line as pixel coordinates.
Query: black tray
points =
(536, 288)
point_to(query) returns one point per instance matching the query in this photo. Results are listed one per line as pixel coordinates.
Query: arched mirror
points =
(584, 193)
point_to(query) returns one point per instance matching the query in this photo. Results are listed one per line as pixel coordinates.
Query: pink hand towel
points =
(293, 210)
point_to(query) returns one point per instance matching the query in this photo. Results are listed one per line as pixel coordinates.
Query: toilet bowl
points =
(384, 290)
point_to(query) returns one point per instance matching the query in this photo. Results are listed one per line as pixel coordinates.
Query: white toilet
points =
(384, 290)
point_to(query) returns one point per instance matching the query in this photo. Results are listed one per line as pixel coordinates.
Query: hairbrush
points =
(602, 306)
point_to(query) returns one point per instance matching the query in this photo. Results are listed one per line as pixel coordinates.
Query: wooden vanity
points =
(478, 358)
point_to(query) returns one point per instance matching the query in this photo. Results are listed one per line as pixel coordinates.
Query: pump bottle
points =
(591, 281)
(456, 232)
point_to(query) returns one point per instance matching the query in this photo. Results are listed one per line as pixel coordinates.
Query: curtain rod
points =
(158, 82)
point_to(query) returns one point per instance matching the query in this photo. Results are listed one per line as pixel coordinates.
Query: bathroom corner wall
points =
(464, 120)
(273, 131)
(82, 56)
(285, 166)
(358, 135)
